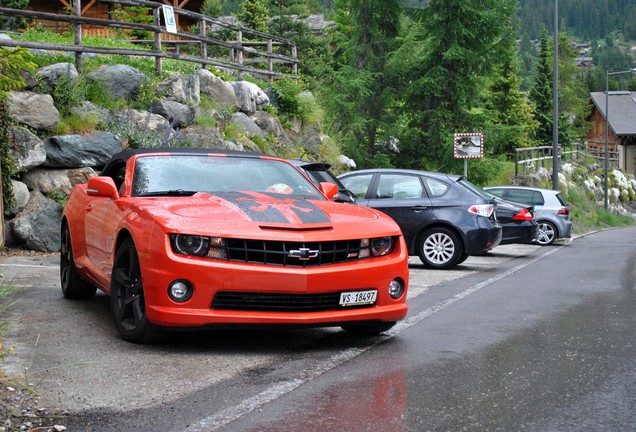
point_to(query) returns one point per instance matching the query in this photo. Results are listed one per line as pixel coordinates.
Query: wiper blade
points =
(173, 192)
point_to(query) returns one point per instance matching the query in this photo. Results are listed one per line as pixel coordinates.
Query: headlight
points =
(376, 246)
(381, 246)
(190, 244)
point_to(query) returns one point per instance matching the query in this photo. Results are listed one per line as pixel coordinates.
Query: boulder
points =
(28, 149)
(181, 88)
(50, 76)
(21, 195)
(271, 125)
(49, 180)
(77, 151)
(87, 110)
(250, 97)
(247, 125)
(121, 81)
(221, 92)
(203, 137)
(37, 226)
(35, 110)
(176, 113)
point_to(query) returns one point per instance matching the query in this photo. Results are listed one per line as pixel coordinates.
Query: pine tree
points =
(541, 92)
(359, 92)
(441, 67)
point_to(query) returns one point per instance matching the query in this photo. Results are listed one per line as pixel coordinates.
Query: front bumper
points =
(209, 276)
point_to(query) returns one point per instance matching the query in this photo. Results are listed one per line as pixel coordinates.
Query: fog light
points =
(396, 288)
(180, 291)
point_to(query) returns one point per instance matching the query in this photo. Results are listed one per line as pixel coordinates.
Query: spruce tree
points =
(541, 92)
(13, 23)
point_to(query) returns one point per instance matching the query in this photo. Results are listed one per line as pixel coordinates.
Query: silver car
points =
(550, 211)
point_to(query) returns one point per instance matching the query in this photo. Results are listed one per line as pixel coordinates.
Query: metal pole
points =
(605, 172)
(555, 97)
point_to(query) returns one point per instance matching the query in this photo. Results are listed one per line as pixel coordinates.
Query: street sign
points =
(168, 17)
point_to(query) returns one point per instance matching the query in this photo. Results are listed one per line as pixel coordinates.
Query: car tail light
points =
(484, 210)
(564, 211)
(524, 214)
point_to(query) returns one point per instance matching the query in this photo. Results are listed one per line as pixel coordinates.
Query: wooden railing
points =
(238, 52)
(528, 159)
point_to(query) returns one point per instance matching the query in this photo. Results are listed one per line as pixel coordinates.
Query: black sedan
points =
(444, 218)
(517, 221)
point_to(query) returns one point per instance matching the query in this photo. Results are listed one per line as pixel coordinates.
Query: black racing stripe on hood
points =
(268, 208)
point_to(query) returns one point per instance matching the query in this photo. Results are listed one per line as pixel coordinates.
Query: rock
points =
(77, 151)
(176, 113)
(181, 88)
(146, 121)
(28, 149)
(51, 75)
(21, 195)
(203, 137)
(247, 125)
(221, 92)
(48, 180)
(87, 110)
(121, 81)
(34, 110)
(37, 227)
(249, 96)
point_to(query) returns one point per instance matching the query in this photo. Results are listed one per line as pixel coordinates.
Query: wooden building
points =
(622, 126)
(103, 10)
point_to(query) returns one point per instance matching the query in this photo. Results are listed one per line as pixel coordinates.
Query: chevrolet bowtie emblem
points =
(303, 254)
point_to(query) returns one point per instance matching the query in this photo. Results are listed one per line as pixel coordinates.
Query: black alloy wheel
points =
(127, 297)
(73, 286)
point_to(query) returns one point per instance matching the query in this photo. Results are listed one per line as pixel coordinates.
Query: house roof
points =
(622, 110)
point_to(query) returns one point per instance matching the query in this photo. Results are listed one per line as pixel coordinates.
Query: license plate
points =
(356, 298)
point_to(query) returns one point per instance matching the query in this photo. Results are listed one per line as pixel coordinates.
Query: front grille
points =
(292, 253)
(264, 302)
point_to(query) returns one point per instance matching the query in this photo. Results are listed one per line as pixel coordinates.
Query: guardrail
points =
(278, 50)
(528, 159)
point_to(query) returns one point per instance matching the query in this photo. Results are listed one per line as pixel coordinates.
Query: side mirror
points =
(102, 187)
(330, 190)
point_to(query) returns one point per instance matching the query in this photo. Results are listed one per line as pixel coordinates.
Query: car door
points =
(403, 197)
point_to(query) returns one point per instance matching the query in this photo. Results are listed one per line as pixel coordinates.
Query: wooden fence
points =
(239, 45)
(528, 159)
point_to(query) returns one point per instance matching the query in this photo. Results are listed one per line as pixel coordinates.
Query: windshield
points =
(187, 174)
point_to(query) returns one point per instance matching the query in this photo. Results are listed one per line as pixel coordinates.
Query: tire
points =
(127, 297)
(368, 328)
(439, 248)
(73, 286)
(462, 258)
(547, 233)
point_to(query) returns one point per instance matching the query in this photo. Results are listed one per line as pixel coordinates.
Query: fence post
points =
(77, 11)
(204, 46)
(517, 163)
(294, 56)
(239, 48)
(270, 63)
(156, 13)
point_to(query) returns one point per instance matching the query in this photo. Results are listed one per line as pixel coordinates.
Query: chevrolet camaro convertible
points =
(191, 238)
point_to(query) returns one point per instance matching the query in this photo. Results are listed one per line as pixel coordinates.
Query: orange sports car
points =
(189, 238)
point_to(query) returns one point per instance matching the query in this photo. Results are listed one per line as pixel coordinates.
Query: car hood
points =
(235, 212)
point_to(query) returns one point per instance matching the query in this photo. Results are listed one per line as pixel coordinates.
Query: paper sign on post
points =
(168, 17)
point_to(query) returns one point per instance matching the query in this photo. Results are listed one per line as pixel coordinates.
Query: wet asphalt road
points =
(527, 338)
